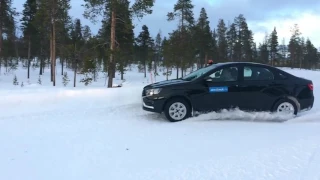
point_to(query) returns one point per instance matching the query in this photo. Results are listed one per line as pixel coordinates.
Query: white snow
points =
(93, 133)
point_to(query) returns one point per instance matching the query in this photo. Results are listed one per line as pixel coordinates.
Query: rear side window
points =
(281, 76)
(252, 73)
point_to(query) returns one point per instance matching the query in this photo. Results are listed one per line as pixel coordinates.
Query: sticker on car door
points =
(218, 89)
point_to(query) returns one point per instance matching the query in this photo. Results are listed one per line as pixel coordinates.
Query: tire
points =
(283, 104)
(183, 111)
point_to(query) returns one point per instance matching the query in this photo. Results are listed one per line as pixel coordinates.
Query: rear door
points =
(218, 91)
(259, 88)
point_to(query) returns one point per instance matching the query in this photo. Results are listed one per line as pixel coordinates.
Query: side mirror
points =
(208, 79)
(217, 74)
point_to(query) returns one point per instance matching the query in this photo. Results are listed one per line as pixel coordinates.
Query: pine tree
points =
(7, 28)
(183, 12)
(214, 46)
(222, 41)
(232, 40)
(5, 20)
(29, 29)
(75, 48)
(143, 42)
(294, 45)
(158, 54)
(39, 80)
(51, 18)
(254, 52)
(169, 54)
(263, 51)
(65, 79)
(311, 57)
(273, 45)
(302, 53)
(109, 9)
(244, 40)
(204, 36)
(15, 80)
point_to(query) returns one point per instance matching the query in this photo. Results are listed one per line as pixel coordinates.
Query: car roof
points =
(238, 63)
(251, 63)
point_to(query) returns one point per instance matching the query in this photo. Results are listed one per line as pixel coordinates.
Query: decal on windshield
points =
(218, 89)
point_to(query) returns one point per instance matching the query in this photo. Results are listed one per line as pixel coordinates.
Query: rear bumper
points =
(306, 103)
(152, 105)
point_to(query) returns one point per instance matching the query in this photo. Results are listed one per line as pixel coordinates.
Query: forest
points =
(50, 36)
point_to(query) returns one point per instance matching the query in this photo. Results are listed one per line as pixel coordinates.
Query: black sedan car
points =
(244, 85)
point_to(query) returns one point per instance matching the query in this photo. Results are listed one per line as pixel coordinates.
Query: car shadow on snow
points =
(234, 115)
(149, 116)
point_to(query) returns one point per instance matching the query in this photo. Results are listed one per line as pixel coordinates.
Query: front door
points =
(218, 91)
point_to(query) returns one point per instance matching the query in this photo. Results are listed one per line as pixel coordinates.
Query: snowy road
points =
(77, 134)
(98, 133)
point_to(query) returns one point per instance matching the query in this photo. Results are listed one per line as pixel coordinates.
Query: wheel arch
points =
(292, 98)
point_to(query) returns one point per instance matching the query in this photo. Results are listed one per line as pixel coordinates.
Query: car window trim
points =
(250, 65)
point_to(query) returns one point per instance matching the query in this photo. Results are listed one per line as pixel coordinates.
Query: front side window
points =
(257, 74)
(225, 75)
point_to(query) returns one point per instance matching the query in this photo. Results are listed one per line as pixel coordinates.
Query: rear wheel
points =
(177, 109)
(286, 106)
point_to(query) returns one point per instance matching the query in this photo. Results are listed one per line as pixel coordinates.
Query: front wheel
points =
(177, 109)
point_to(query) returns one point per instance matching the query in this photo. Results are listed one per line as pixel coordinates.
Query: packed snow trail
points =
(84, 134)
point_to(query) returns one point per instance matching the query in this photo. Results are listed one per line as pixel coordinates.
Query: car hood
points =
(166, 83)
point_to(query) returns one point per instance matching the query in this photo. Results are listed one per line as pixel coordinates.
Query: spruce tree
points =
(143, 42)
(204, 36)
(109, 10)
(273, 45)
(29, 29)
(222, 40)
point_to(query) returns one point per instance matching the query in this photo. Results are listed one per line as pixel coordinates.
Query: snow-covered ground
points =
(93, 133)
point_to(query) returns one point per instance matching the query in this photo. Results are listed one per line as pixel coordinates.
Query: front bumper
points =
(152, 104)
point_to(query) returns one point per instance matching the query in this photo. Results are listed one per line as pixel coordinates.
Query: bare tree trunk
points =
(75, 76)
(41, 60)
(62, 63)
(54, 54)
(75, 67)
(122, 75)
(300, 62)
(112, 47)
(121, 70)
(0, 36)
(29, 55)
(1, 33)
(54, 42)
(205, 60)
(155, 65)
(177, 72)
(51, 54)
(167, 73)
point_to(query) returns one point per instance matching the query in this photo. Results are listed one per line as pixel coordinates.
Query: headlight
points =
(151, 92)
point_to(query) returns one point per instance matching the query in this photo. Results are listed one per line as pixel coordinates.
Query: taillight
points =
(310, 86)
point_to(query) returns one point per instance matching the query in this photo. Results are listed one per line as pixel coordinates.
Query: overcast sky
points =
(262, 16)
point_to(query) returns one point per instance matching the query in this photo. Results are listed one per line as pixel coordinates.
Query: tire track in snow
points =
(312, 170)
(74, 112)
(272, 164)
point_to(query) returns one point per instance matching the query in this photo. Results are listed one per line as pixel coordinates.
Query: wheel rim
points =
(286, 108)
(177, 111)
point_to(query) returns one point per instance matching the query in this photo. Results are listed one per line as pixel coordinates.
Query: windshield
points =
(196, 74)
